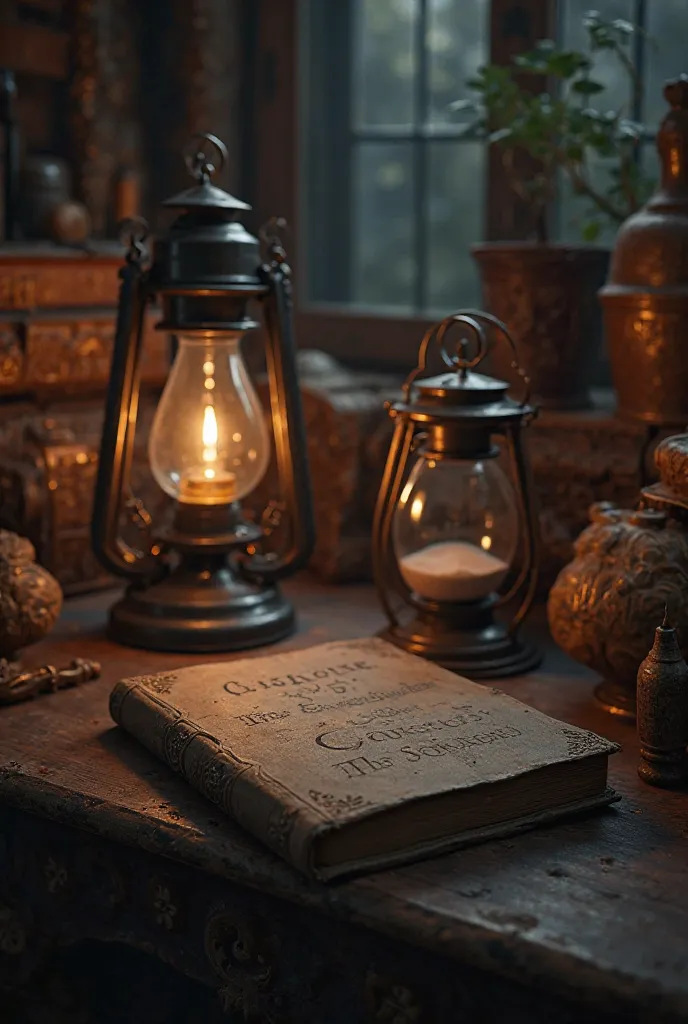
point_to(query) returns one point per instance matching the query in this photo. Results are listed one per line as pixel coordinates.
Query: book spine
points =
(256, 801)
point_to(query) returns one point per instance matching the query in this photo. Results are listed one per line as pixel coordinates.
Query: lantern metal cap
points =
(201, 166)
(461, 393)
(206, 266)
(205, 196)
(462, 388)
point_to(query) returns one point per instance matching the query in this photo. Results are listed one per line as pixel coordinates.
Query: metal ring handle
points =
(476, 320)
(458, 360)
(493, 321)
(198, 161)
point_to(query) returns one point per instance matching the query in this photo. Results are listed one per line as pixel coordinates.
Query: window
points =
(408, 191)
(387, 196)
(658, 53)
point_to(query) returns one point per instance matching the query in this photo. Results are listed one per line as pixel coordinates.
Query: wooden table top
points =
(594, 908)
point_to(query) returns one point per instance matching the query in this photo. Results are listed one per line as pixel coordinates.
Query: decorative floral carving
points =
(12, 932)
(244, 955)
(671, 459)
(160, 682)
(166, 911)
(338, 806)
(176, 739)
(579, 744)
(605, 605)
(214, 774)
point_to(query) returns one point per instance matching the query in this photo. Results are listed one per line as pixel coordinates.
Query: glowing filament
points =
(486, 543)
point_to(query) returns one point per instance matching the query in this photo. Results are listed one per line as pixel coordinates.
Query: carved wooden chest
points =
(57, 323)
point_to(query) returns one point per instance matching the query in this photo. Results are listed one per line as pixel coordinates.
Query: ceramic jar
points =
(645, 299)
(605, 605)
(547, 294)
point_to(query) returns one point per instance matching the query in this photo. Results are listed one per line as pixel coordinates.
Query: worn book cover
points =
(349, 756)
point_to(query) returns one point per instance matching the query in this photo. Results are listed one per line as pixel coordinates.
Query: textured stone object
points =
(30, 598)
(662, 711)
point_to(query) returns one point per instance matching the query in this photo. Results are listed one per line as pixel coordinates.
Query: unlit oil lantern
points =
(455, 532)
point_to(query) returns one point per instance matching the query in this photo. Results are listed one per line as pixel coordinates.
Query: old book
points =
(351, 756)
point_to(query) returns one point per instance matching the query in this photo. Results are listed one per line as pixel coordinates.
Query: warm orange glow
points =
(209, 436)
(417, 507)
(486, 543)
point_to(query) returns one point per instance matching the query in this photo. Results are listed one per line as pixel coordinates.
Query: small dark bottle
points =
(662, 714)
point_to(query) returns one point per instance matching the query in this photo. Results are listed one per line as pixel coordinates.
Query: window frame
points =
(356, 337)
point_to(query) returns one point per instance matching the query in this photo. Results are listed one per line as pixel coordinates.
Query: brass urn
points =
(645, 299)
(628, 569)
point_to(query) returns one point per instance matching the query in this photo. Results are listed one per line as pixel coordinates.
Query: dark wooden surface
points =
(593, 911)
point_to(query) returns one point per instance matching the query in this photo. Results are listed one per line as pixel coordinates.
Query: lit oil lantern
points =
(201, 585)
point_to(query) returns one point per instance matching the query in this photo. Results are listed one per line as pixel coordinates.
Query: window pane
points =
(384, 61)
(454, 208)
(667, 56)
(649, 161)
(457, 44)
(383, 266)
(608, 70)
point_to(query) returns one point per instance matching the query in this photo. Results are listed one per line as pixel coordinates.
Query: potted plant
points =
(545, 291)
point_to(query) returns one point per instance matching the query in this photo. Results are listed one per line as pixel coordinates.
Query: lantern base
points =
(199, 609)
(487, 653)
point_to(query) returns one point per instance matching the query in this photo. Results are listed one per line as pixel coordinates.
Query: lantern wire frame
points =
(406, 438)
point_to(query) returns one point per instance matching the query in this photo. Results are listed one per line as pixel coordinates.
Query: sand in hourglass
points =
(452, 571)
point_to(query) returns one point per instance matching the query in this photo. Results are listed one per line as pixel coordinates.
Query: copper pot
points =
(547, 294)
(605, 604)
(645, 300)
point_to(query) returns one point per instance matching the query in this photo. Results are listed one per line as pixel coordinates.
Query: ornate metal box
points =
(57, 323)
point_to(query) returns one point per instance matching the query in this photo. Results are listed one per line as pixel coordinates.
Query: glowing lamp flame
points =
(209, 440)
(209, 428)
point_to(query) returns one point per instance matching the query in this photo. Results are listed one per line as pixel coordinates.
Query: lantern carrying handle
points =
(112, 494)
(477, 322)
(197, 159)
(132, 233)
(289, 430)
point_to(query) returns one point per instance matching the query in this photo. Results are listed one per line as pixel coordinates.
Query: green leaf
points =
(586, 87)
(567, 64)
(591, 230)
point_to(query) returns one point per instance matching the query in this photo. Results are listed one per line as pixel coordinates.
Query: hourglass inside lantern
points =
(455, 532)
(455, 529)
